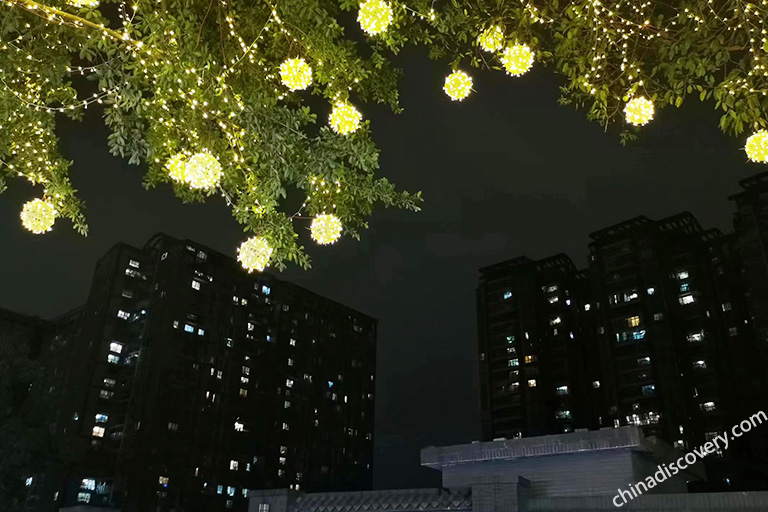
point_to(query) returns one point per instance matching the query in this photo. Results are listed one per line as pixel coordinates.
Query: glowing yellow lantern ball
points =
(492, 39)
(254, 254)
(757, 147)
(345, 118)
(517, 59)
(202, 170)
(639, 111)
(296, 74)
(458, 85)
(176, 166)
(325, 229)
(374, 16)
(38, 216)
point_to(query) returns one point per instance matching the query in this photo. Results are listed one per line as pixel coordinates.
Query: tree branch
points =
(50, 13)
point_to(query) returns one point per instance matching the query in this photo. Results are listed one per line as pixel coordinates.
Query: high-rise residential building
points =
(194, 382)
(532, 347)
(654, 333)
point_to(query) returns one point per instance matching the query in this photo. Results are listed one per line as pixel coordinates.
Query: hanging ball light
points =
(757, 147)
(492, 39)
(374, 16)
(639, 111)
(254, 254)
(176, 166)
(517, 59)
(38, 216)
(296, 74)
(325, 229)
(202, 170)
(458, 85)
(345, 118)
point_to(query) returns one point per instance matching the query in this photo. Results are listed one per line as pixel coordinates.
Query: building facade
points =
(654, 333)
(195, 382)
(582, 471)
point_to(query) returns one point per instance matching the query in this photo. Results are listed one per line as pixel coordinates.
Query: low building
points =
(584, 471)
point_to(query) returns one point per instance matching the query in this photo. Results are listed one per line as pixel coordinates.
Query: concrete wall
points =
(704, 502)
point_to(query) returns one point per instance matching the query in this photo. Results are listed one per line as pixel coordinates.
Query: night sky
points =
(505, 173)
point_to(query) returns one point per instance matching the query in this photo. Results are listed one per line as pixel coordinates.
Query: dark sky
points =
(506, 172)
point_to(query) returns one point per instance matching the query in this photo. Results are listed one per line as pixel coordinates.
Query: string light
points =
(296, 74)
(639, 111)
(202, 171)
(84, 3)
(38, 216)
(254, 254)
(345, 118)
(757, 147)
(517, 59)
(374, 16)
(492, 39)
(325, 229)
(176, 167)
(458, 85)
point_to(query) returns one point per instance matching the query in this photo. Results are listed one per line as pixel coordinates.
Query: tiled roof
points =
(404, 500)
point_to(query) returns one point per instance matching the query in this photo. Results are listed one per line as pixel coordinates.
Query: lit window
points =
(283, 450)
(507, 295)
(561, 390)
(530, 359)
(219, 374)
(532, 383)
(292, 342)
(514, 362)
(244, 380)
(633, 321)
(266, 290)
(587, 307)
(201, 332)
(173, 427)
(128, 294)
(83, 497)
(285, 426)
(638, 335)
(658, 316)
(195, 284)
(239, 427)
(651, 291)
(649, 390)
(98, 431)
(163, 480)
(596, 384)
(263, 507)
(269, 338)
(563, 415)
(643, 361)
(165, 255)
(700, 364)
(726, 306)
(219, 489)
(89, 484)
(289, 383)
(290, 362)
(245, 493)
(732, 331)
(281, 473)
(230, 490)
(243, 392)
(110, 383)
(105, 394)
(554, 321)
(695, 337)
(189, 328)
(123, 314)
(282, 461)
(553, 299)
(117, 348)
(133, 263)
(685, 287)
(286, 404)
(513, 386)
(510, 339)
(101, 418)
(552, 288)
(682, 274)
(112, 358)
(246, 370)
(686, 299)
(707, 406)
(233, 465)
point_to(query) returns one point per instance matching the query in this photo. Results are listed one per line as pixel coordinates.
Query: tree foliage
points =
(179, 76)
